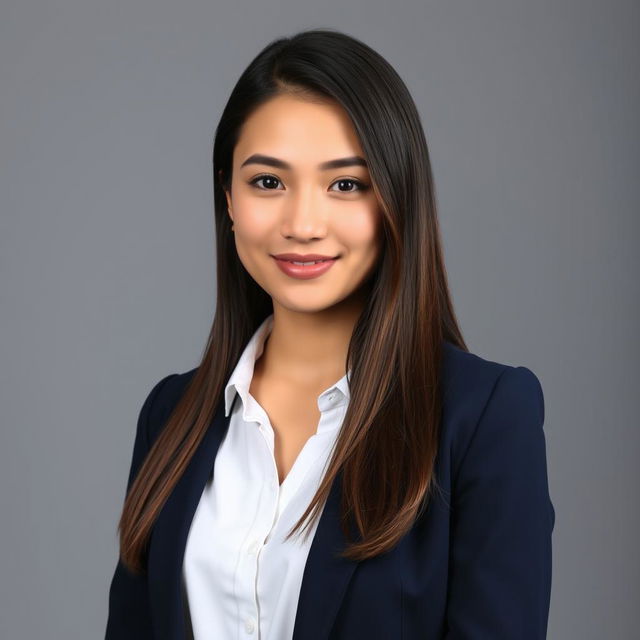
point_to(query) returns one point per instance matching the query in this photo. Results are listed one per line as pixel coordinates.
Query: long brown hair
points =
(387, 445)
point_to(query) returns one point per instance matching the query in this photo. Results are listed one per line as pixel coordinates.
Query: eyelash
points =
(361, 185)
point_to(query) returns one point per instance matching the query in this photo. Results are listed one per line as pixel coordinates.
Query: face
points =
(286, 201)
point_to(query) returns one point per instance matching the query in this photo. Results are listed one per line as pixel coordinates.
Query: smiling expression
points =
(300, 185)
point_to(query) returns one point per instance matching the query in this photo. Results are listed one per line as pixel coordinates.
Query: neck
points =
(310, 348)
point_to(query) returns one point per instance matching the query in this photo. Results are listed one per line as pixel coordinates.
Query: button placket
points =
(253, 547)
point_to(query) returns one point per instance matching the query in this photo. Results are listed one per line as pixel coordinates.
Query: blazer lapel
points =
(325, 576)
(169, 536)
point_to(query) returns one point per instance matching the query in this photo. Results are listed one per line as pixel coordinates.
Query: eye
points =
(271, 179)
(348, 181)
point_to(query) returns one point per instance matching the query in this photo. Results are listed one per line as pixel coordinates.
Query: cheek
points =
(252, 222)
(359, 231)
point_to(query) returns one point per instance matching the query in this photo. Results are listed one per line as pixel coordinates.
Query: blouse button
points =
(249, 625)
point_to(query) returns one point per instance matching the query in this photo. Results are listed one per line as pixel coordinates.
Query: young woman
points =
(339, 465)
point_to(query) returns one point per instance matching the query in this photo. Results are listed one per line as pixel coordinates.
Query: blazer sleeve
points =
(503, 518)
(129, 617)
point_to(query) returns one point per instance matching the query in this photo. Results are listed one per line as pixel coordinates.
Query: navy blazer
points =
(475, 566)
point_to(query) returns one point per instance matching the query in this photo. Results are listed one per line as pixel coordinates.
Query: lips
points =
(305, 263)
(304, 257)
(304, 271)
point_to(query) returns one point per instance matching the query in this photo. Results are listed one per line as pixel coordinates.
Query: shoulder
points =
(467, 374)
(473, 387)
(500, 400)
(162, 399)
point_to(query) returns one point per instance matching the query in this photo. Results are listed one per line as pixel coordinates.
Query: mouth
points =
(307, 263)
(304, 270)
(303, 258)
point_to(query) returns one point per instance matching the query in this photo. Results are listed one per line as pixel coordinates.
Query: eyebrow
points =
(351, 161)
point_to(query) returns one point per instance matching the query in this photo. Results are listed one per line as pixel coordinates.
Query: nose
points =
(304, 216)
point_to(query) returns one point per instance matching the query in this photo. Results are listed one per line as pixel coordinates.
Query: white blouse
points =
(240, 578)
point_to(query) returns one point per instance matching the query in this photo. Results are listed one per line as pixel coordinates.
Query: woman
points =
(339, 465)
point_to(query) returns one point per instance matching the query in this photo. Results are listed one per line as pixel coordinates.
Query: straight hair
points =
(385, 452)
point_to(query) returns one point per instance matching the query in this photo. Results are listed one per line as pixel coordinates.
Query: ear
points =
(229, 208)
(226, 193)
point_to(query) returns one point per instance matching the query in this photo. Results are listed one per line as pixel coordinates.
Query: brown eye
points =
(268, 179)
(347, 182)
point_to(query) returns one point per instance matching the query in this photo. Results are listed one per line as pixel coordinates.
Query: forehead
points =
(298, 129)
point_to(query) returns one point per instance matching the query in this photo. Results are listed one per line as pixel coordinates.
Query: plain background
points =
(107, 260)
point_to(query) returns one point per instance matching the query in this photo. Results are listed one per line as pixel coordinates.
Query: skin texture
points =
(303, 209)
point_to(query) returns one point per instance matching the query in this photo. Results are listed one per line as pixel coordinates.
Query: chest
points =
(293, 414)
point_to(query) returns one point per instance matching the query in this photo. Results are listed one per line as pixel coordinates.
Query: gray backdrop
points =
(107, 114)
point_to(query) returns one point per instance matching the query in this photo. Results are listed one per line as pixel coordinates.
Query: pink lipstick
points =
(304, 267)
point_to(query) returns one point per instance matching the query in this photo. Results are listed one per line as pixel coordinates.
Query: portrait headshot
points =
(335, 374)
(314, 312)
